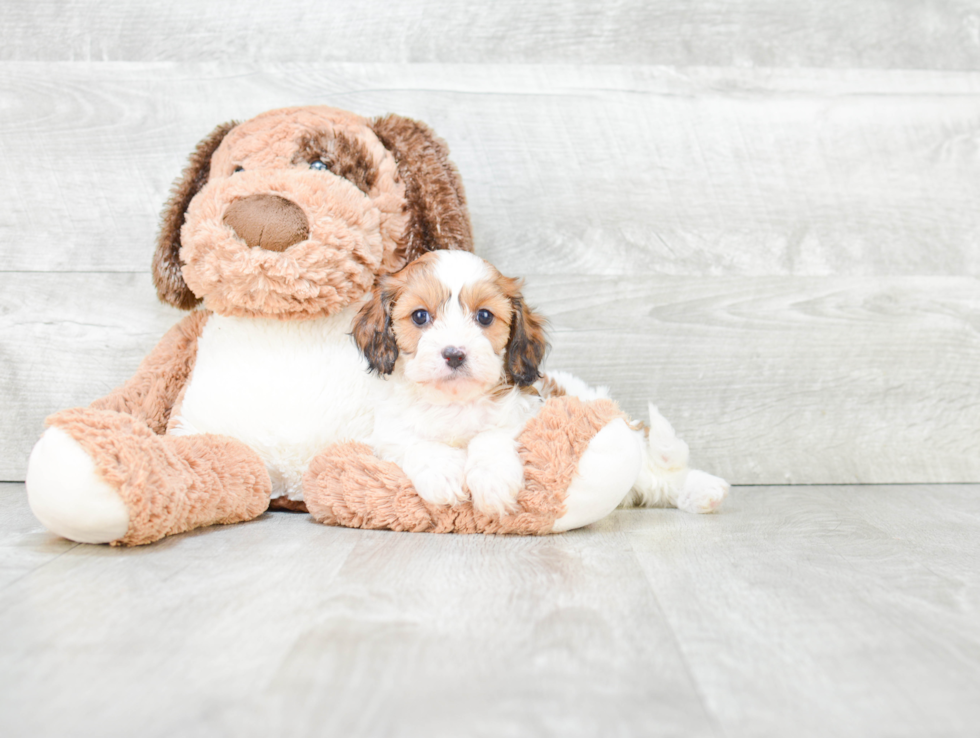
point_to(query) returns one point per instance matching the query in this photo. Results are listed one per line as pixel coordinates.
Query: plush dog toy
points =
(273, 239)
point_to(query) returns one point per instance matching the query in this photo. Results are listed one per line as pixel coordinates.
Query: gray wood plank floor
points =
(796, 611)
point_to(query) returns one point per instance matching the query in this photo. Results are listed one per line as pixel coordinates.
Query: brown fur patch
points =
(527, 344)
(373, 332)
(420, 290)
(494, 296)
(343, 155)
(167, 277)
(383, 328)
(433, 189)
(515, 325)
(548, 387)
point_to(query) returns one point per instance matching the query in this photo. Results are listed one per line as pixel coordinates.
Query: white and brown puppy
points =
(461, 350)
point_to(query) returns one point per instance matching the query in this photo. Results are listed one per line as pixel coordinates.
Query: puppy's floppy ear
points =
(373, 333)
(169, 282)
(526, 346)
(439, 218)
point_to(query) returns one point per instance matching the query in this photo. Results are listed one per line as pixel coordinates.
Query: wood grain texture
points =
(770, 380)
(771, 33)
(793, 611)
(568, 169)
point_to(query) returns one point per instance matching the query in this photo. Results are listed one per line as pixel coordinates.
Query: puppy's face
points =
(453, 325)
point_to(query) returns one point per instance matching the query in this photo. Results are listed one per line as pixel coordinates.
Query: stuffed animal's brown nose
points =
(268, 222)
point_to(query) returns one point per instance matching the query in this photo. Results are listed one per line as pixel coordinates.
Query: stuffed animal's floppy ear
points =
(169, 282)
(439, 218)
(373, 333)
(527, 344)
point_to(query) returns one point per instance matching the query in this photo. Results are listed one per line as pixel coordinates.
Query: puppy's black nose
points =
(454, 356)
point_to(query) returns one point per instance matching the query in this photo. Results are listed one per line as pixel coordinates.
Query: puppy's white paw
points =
(702, 492)
(494, 482)
(437, 472)
(494, 472)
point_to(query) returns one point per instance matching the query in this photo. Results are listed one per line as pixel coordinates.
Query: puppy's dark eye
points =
(484, 317)
(420, 317)
(238, 169)
(318, 166)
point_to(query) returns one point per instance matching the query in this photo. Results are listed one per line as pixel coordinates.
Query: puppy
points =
(461, 350)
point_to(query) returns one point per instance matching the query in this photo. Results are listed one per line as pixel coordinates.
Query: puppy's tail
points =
(664, 470)
(664, 464)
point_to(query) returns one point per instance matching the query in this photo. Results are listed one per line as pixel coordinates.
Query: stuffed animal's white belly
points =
(288, 389)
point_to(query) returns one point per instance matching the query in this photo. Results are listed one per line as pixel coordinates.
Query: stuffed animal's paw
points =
(702, 492)
(494, 473)
(437, 472)
(66, 493)
(606, 471)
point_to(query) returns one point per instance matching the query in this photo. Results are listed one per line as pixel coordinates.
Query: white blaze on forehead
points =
(456, 269)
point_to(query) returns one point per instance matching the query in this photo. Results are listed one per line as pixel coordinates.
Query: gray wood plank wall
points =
(763, 216)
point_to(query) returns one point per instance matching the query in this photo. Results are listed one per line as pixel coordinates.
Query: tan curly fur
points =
(379, 200)
(170, 484)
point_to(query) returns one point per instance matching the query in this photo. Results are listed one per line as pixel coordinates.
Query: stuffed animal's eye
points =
(484, 317)
(238, 169)
(319, 166)
(420, 317)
